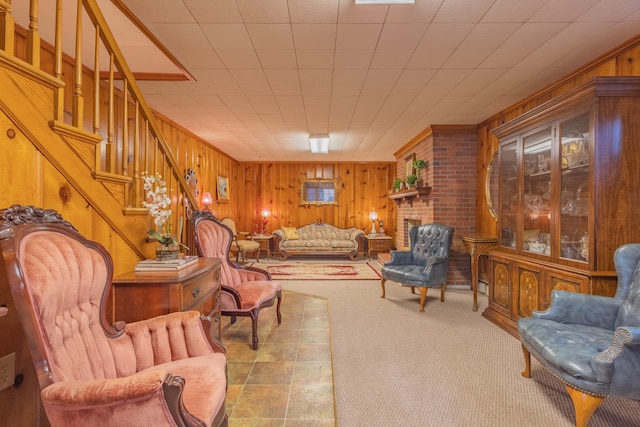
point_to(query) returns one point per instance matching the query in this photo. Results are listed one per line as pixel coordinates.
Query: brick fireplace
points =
(450, 153)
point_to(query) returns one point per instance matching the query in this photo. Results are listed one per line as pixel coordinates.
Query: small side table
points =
(375, 243)
(265, 243)
(476, 245)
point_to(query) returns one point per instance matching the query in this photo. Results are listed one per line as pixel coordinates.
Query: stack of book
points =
(152, 265)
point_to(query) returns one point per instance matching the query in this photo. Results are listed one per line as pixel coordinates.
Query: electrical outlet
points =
(7, 371)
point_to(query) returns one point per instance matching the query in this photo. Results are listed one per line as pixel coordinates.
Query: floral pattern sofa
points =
(318, 239)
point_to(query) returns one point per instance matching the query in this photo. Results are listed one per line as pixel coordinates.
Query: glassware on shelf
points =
(544, 162)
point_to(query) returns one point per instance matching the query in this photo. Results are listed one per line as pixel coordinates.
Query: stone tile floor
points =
(288, 381)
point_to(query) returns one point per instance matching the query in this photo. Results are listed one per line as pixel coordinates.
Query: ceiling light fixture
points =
(319, 144)
(385, 1)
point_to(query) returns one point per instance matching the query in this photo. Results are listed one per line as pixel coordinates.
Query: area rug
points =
(301, 270)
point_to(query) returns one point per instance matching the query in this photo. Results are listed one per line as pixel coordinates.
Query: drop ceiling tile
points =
(317, 58)
(348, 82)
(284, 82)
(160, 11)
(489, 35)
(445, 36)
(305, 11)
(237, 104)
(429, 58)
(270, 36)
(476, 81)
(182, 36)
(260, 11)
(504, 58)
(204, 58)
(314, 36)
(512, 11)
(277, 58)
(353, 59)
(212, 12)
(411, 82)
(349, 12)
(462, 10)
(391, 58)
(403, 36)
(290, 104)
(467, 58)
(357, 36)
(420, 11)
(562, 10)
(317, 104)
(251, 81)
(369, 104)
(343, 104)
(395, 105)
(315, 82)
(236, 58)
(228, 36)
(380, 82)
(532, 35)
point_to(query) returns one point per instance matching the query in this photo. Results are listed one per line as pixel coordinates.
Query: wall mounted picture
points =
(223, 188)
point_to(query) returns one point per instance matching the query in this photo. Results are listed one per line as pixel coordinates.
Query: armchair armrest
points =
(436, 269)
(581, 309)
(399, 258)
(106, 391)
(623, 352)
(234, 294)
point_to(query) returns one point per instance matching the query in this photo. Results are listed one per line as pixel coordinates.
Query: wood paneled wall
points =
(276, 186)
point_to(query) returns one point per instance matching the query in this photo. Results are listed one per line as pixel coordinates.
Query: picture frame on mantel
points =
(408, 165)
(222, 188)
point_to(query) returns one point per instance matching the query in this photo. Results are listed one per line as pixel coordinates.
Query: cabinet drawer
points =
(197, 289)
(379, 245)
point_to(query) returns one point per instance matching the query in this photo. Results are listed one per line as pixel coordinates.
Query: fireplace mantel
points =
(409, 195)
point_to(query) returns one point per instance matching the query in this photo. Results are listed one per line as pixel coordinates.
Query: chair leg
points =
(383, 291)
(254, 329)
(413, 290)
(442, 292)
(584, 405)
(527, 363)
(423, 297)
(278, 314)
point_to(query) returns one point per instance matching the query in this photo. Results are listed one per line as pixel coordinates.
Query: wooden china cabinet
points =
(568, 196)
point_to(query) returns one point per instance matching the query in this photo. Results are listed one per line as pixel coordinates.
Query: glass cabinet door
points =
(509, 193)
(536, 201)
(574, 188)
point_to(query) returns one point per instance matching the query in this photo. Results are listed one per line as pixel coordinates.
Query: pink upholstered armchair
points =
(159, 372)
(245, 290)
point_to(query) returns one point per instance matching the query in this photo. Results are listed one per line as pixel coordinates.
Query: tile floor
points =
(288, 381)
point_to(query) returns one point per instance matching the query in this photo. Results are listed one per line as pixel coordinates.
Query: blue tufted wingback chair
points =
(425, 264)
(591, 342)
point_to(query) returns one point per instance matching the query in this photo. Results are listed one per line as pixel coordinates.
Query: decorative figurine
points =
(380, 229)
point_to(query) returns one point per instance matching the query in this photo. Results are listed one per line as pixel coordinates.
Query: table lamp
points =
(265, 214)
(207, 200)
(373, 215)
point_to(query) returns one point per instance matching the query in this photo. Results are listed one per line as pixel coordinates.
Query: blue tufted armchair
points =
(425, 264)
(591, 342)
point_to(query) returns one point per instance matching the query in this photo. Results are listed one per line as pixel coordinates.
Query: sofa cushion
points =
(343, 243)
(290, 233)
(629, 313)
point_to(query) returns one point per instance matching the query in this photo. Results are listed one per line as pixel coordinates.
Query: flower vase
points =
(167, 252)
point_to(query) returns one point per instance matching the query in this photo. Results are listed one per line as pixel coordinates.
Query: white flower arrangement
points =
(159, 205)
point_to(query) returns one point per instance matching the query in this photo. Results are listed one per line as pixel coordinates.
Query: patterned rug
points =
(300, 270)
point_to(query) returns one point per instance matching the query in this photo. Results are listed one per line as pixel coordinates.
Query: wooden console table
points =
(476, 245)
(137, 296)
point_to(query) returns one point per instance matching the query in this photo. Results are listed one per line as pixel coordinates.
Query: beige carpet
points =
(328, 270)
(394, 366)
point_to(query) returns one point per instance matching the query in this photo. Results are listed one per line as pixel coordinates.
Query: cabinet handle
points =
(195, 292)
